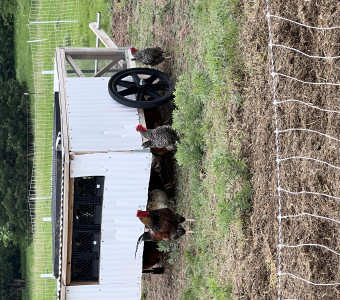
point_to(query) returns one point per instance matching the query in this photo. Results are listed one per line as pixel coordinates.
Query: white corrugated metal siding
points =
(96, 121)
(125, 190)
(120, 292)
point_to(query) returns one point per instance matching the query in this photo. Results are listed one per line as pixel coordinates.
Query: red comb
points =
(140, 128)
(142, 214)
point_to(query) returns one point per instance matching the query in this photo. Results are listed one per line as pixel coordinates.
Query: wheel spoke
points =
(128, 91)
(140, 95)
(151, 93)
(126, 84)
(135, 77)
(160, 86)
(151, 79)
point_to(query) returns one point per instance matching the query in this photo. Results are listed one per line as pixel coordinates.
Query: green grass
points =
(38, 258)
(88, 14)
(23, 57)
(139, 29)
(219, 189)
(213, 181)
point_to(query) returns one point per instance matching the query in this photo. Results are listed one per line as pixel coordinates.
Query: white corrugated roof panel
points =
(96, 121)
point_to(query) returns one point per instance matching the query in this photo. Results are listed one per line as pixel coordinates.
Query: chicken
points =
(160, 137)
(159, 151)
(148, 56)
(157, 199)
(163, 224)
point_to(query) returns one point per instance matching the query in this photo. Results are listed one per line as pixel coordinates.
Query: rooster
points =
(163, 224)
(160, 137)
(148, 56)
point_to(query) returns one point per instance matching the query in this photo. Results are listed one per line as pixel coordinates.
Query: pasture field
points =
(33, 57)
(226, 163)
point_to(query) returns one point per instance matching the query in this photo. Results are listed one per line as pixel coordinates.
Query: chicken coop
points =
(100, 171)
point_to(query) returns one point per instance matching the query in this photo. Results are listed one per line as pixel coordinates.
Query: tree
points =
(7, 9)
(11, 283)
(7, 59)
(13, 158)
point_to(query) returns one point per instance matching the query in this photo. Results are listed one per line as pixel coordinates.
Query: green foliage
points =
(202, 287)
(87, 14)
(217, 291)
(232, 186)
(6, 53)
(121, 5)
(9, 269)
(7, 9)
(13, 158)
(170, 247)
(164, 10)
(213, 182)
(226, 162)
(190, 96)
(139, 29)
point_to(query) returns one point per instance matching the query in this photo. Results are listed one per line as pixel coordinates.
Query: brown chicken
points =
(163, 224)
(151, 255)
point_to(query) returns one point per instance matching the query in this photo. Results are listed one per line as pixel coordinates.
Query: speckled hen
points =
(151, 56)
(160, 137)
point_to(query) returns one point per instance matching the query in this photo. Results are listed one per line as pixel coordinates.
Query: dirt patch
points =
(257, 262)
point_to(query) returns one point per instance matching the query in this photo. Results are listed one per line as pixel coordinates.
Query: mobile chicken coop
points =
(100, 170)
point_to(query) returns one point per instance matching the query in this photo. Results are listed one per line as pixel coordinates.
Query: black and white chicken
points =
(161, 137)
(148, 56)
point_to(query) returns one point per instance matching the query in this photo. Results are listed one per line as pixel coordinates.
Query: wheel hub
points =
(141, 82)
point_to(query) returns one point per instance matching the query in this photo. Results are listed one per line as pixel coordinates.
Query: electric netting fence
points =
(293, 282)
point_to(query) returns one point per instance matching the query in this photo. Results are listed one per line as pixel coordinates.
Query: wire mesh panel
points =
(84, 242)
(85, 269)
(85, 187)
(88, 202)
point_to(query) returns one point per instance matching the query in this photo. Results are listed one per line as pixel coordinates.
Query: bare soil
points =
(256, 263)
(259, 260)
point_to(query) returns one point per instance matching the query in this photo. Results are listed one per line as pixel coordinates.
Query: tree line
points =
(14, 162)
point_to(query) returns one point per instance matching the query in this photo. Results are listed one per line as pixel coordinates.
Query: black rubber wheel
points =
(141, 88)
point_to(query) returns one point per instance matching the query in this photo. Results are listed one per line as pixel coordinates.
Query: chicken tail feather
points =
(144, 237)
